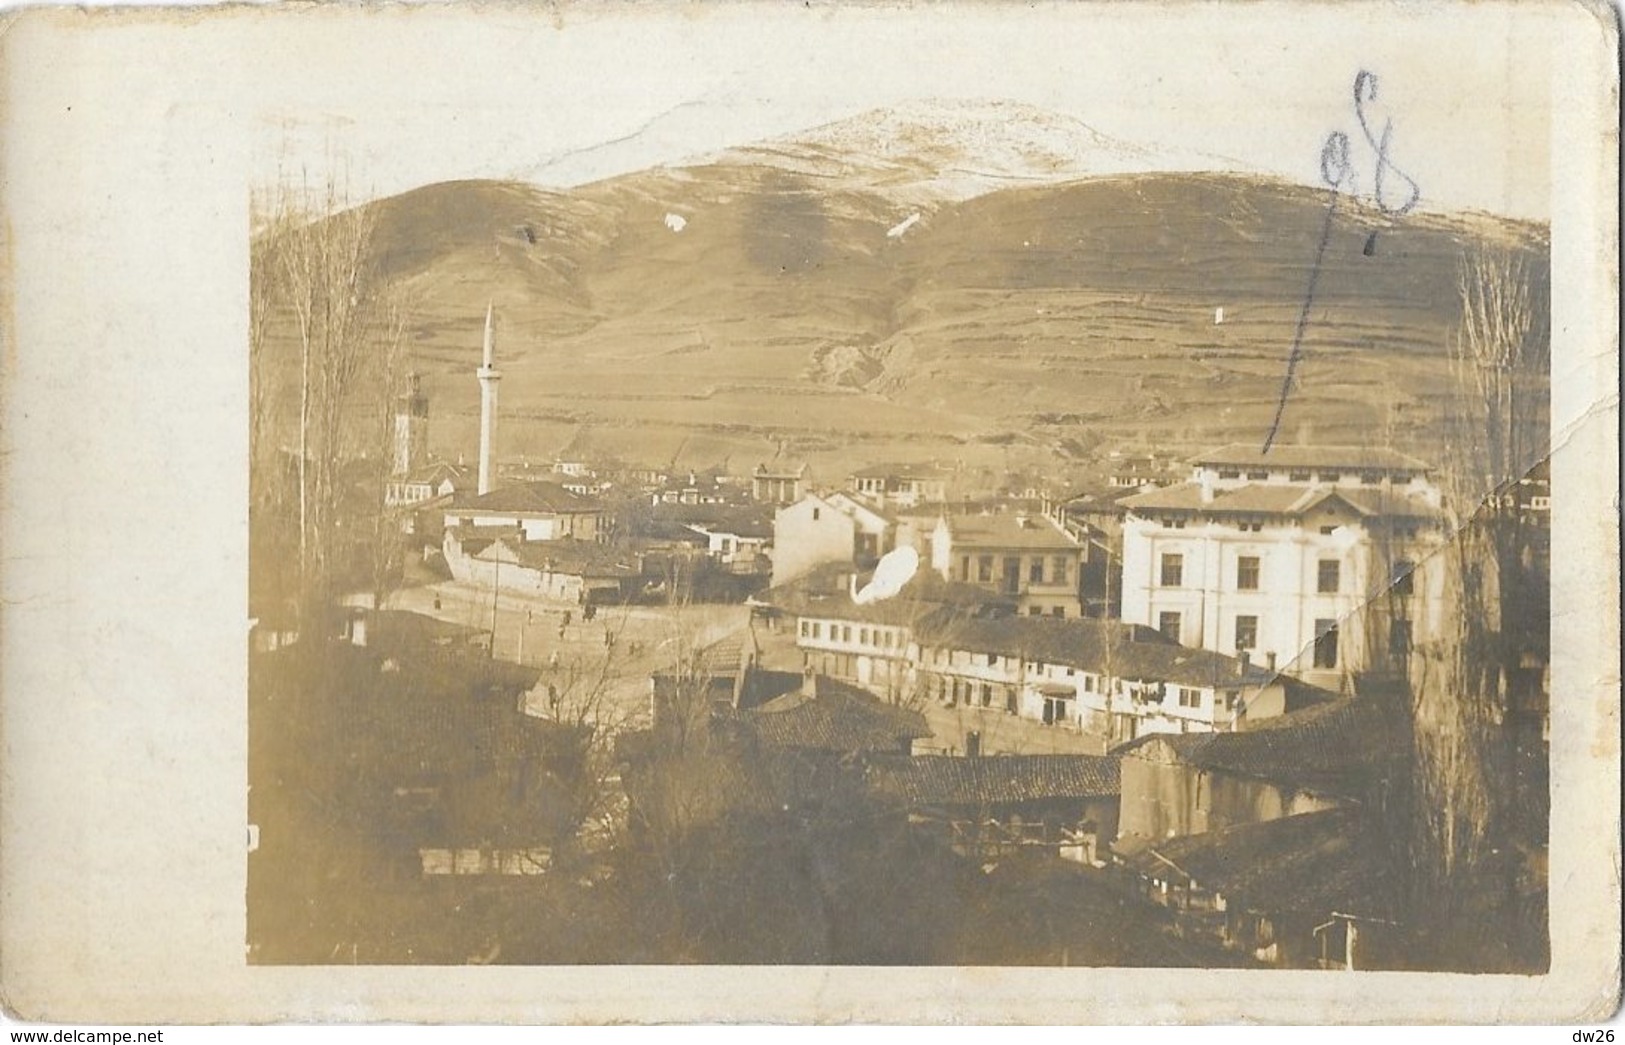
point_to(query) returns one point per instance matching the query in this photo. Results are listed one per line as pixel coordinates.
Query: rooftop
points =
(538, 498)
(1008, 530)
(827, 592)
(1313, 863)
(835, 717)
(938, 780)
(1332, 747)
(1251, 455)
(903, 471)
(1265, 499)
(581, 558)
(1129, 651)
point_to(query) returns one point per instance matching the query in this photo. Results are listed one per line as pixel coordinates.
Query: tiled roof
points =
(1008, 530)
(580, 558)
(1335, 747)
(1312, 863)
(439, 471)
(1270, 499)
(937, 780)
(903, 471)
(538, 498)
(388, 628)
(826, 592)
(1127, 651)
(1351, 457)
(840, 718)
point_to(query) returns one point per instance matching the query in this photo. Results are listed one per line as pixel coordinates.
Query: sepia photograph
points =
(1055, 494)
(949, 534)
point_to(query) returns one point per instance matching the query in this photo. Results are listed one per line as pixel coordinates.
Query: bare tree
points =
(1500, 360)
(314, 264)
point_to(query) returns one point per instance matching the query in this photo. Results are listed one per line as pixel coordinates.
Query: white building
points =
(1311, 559)
(544, 511)
(827, 528)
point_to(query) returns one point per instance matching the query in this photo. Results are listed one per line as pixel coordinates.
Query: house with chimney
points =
(1313, 559)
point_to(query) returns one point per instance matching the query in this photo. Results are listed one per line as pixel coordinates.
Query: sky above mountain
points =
(605, 91)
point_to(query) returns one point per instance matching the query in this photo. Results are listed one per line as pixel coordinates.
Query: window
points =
(964, 567)
(1246, 632)
(1088, 683)
(1174, 522)
(818, 629)
(1399, 479)
(863, 636)
(1012, 574)
(1299, 475)
(1033, 611)
(1229, 473)
(1399, 637)
(1331, 477)
(1173, 570)
(806, 629)
(1059, 570)
(1327, 531)
(1258, 476)
(1330, 574)
(1325, 644)
(1168, 624)
(1247, 573)
(987, 694)
(815, 515)
(1403, 579)
(1010, 699)
(1189, 698)
(992, 659)
(984, 568)
(1035, 571)
(1370, 478)
(846, 633)
(1057, 611)
(1250, 526)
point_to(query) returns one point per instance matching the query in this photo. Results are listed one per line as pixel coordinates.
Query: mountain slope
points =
(724, 310)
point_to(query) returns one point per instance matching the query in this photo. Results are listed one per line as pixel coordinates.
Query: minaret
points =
(411, 428)
(489, 375)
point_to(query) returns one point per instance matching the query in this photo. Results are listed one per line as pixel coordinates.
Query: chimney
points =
(1205, 478)
(1270, 659)
(1246, 656)
(809, 682)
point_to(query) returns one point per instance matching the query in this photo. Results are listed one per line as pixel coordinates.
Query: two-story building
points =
(828, 528)
(1112, 680)
(779, 482)
(902, 485)
(1311, 559)
(1023, 556)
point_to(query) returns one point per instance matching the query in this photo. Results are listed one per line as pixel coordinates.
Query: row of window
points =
(1303, 475)
(1328, 574)
(1060, 570)
(883, 638)
(1325, 651)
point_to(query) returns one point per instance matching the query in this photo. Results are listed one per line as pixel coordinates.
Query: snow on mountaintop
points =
(939, 150)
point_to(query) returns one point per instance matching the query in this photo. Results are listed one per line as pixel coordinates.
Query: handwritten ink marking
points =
(1337, 171)
(1365, 90)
